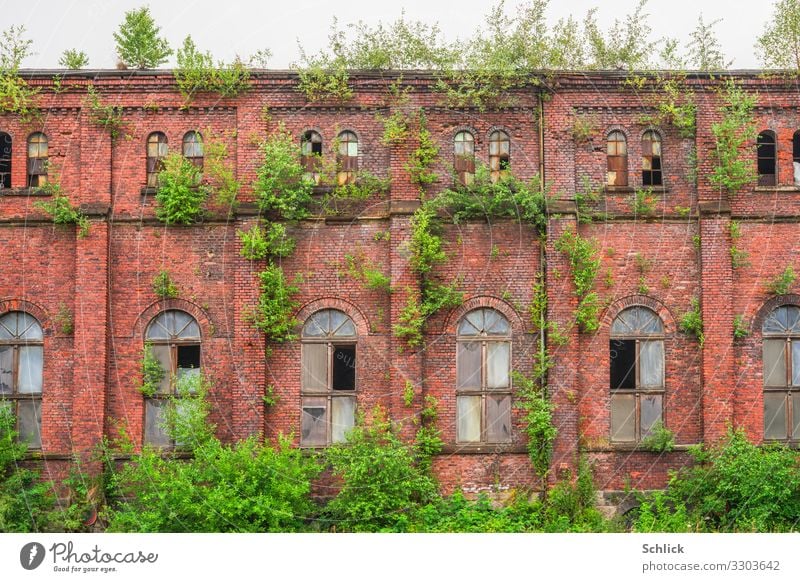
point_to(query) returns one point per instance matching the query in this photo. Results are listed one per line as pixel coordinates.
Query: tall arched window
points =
(21, 364)
(37, 160)
(781, 331)
(766, 153)
(156, 152)
(328, 384)
(637, 374)
(173, 337)
(5, 160)
(651, 159)
(617, 153)
(311, 154)
(347, 158)
(464, 146)
(499, 155)
(483, 378)
(193, 148)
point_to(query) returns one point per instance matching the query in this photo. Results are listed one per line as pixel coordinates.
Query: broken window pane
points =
(154, 433)
(468, 423)
(497, 363)
(344, 367)
(623, 417)
(651, 364)
(313, 424)
(6, 369)
(498, 419)
(343, 417)
(468, 373)
(314, 358)
(30, 370)
(29, 422)
(623, 364)
(188, 358)
(765, 152)
(650, 408)
(774, 415)
(774, 362)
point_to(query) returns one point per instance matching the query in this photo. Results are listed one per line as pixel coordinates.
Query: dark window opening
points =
(623, 364)
(796, 157)
(188, 357)
(765, 151)
(5, 160)
(651, 159)
(311, 154)
(344, 367)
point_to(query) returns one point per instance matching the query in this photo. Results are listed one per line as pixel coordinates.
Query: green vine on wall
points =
(62, 210)
(585, 264)
(109, 117)
(537, 418)
(276, 305)
(734, 135)
(692, 322)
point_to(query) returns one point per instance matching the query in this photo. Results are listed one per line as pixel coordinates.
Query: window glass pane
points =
(8, 326)
(466, 328)
(6, 369)
(336, 319)
(29, 423)
(316, 325)
(795, 363)
(496, 324)
(29, 328)
(313, 428)
(476, 319)
(468, 423)
(796, 416)
(314, 359)
(623, 363)
(154, 433)
(343, 417)
(650, 410)
(497, 363)
(344, 367)
(623, 417)
(180, 322)
(468, 373)
(651, 364)
(30, 370)
(162, 354)
(774, 362)
(774, 415)
(498, 419)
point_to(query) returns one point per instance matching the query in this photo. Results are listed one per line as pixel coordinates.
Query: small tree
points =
(73, 59)
(138, 43)
(704, 49)
(779, 46)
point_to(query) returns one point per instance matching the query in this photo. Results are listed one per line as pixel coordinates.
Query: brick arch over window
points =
(770, 306)
(359, 319)
(613, 310)
(146, 316)
(508, 311)
(40, 313)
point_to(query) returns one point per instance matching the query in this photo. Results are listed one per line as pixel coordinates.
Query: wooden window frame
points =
(37, 163)
(309, 159)
(155, 163)
(5, 177)
(767, 179)
(499, 163)
(616, 162)
(464, 162)
(789, 390)
(347, 166)
(652, 175)
(196, 160)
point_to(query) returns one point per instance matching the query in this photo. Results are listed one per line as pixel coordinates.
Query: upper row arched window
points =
(464, 156)
(158, 148)
(617, 159)
(38, 160)
(347, 164)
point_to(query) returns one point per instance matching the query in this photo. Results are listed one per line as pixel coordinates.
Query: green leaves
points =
(196, 73)
(779, 45)
(180, 197)
(281, 182)
(73, 59)
(61, 209)
(734, 134)
(276, 305)
(138, 43)
(585, 264)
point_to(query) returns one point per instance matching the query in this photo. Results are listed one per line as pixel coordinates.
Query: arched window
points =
(193, 148)
(617, 159)
(5, 160)
(21, 364)
(347, 158)
(483, 378)
(173, 338)
(311, 154)
(499, 155)
(464, 146)
(156, 152)
(37, 160)
(651, 159)
(328, 382)
(637, 374)
(781, 331)
(765, 151)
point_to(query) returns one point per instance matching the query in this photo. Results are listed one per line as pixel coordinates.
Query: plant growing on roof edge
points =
(16, 96)
(73, 59)
(196, 73)
(138, 43)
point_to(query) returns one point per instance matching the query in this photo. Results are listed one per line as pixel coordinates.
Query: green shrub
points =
(73, 59)
(259, 244)
(62, 210)
(783, 282)
(281, 184)
(197, 73)
(180, 197)
(692, 322)
(138, 43)
(660, 439)
(163, 286)
(276, 306)
(152, 372)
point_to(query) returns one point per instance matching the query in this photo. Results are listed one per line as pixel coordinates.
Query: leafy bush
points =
(16, 96)
(61, 209)
(692, 322)
(660, 439)
(733, 133)
(180, 197)
(281, 183)
(258, 244)
(276, 305)
(163, 286)
(152, 372)
(197, 73)
(138, 43)
(73, 59)
(782, 282)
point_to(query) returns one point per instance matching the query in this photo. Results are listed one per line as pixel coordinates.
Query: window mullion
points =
(15, 370)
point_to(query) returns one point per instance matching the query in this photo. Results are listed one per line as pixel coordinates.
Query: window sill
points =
(795, 188)
(631, 447)
(148, 191)
(483, 448)
(633, 189)
(35, 192)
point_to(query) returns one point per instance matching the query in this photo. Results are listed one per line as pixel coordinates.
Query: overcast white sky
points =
(231, 27)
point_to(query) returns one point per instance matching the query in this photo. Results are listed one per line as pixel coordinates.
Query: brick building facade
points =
(653, 266)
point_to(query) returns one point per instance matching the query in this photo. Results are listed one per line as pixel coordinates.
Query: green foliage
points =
(779, 45)
(571, 505)
(64, 319)
(538, 421)
(644, 202)
(408, 394)
(365, 185)
(62, 210)
(675, 105)
(361, 268)
(660, 439)
(395, 128)
(426, 244)
(423, 157)
(734, 135)
(259, 243)
(739, 258)
(281, 183)
(276, 305)
(152, 372)
(179, 196)
(16, 96)
(740, 327)
(704, 49)
(585, 197)
(163, 286)
(219, 174)
(537, 310)
(410, 321)
(109, 117)
(585, 265)
(382, 480)
(692, 322)
(321, 80)
(783, 282)
(197, 73)
(734, 486)
(74, 59)
(584, 127)
(25, 501)
(138, 43)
